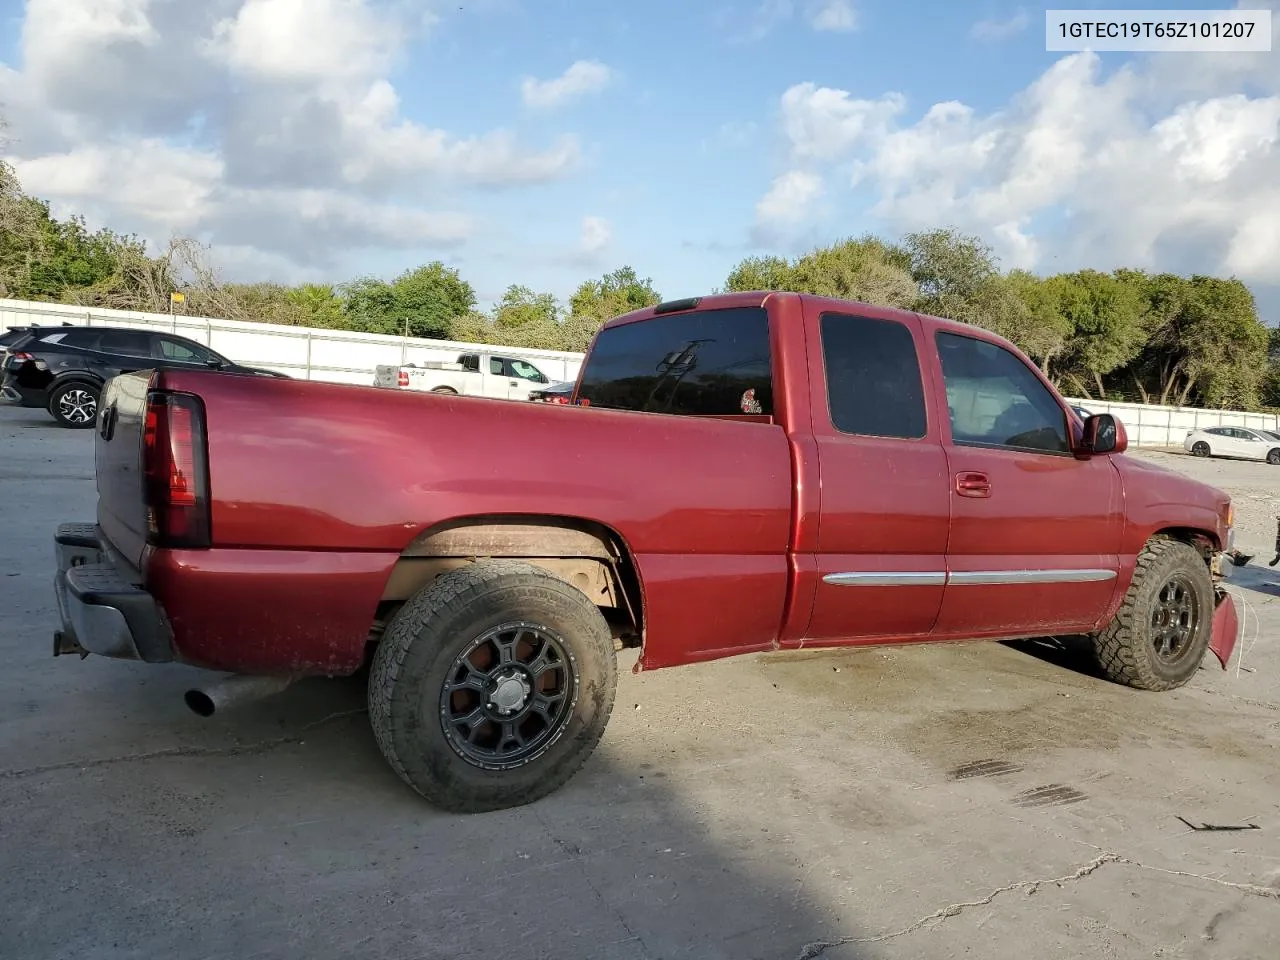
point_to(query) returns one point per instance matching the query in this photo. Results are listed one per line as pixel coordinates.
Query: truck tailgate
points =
(122, 510)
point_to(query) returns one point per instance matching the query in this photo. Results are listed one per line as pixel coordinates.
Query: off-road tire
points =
(66, 391)
(418, 652)
(1200, 449)
(1125, 648)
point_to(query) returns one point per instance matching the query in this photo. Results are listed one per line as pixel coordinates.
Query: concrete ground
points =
(983, 800)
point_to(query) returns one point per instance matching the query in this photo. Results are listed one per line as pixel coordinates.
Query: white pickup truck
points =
(472, 375)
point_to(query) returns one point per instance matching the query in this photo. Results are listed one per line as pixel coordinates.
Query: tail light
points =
(402, 379)
(176, 471)
(21, 357)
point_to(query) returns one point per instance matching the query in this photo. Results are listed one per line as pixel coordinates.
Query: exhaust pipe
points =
(208, 698)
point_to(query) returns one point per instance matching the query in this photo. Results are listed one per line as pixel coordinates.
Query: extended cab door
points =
(882, 534)
(1035, 532)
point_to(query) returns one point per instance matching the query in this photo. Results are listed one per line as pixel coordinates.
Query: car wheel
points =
(1162, 629)
(1273, 456)
(492, 686)
(75, 405)
(445, 390)
(1200, 449)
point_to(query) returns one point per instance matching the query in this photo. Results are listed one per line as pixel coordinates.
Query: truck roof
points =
(756, 298)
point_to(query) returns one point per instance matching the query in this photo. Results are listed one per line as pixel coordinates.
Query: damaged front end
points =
(1226, 621)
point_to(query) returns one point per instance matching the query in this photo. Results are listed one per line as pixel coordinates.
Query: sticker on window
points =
(749, 403)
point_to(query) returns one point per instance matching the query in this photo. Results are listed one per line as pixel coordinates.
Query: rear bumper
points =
(101, 605)
(13, 392)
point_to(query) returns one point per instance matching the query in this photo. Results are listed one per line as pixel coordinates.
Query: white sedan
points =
(1239, 442)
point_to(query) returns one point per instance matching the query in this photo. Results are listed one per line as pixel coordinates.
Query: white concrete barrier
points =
(1149, 425)
(309, 353)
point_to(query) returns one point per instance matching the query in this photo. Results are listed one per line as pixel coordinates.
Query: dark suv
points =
(63, 369)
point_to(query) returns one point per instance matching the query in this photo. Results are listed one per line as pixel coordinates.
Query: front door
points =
(1035, 532)
(882, 532)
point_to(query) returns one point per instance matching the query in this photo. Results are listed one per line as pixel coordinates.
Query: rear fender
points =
(587, 555)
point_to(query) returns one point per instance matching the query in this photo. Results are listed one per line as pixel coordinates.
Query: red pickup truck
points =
(733, 474)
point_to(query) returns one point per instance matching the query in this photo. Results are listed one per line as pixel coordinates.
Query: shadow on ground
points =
(278, 830)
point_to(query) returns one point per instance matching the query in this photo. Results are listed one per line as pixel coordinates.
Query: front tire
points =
(75, 405)
(1273, 457)
(1162, 629)
(1199, 449)
(492, 686)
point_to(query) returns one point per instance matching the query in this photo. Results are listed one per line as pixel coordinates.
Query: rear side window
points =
(470, 362)
(995, 400)
(874, 387)
(84, 339)
(701, 363)
(125, 342)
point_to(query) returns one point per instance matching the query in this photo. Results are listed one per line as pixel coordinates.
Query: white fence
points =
(309, 353)
(345, 357)
(1154, 426)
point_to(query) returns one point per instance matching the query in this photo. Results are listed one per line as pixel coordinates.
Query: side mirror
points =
(1103, 433)
(213, 364)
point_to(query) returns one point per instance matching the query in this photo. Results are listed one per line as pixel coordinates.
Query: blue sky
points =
(336, 139)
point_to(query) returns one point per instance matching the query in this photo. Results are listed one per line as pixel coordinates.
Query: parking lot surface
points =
(962, 800)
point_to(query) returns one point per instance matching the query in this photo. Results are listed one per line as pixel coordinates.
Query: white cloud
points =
(581, 78)
(263, 124)
(765, 16)
(996, 29)
(836, 16)
(308, 41)
(596, 234)
(821, 123)
(790, 199)
(1084, 167)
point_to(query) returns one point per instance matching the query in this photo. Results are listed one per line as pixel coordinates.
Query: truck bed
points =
(317, 488)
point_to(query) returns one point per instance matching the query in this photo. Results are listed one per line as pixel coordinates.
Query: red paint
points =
(733, 522)
(1226, 629)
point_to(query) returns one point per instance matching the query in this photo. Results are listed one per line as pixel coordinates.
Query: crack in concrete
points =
(818, 947)
(259, 746)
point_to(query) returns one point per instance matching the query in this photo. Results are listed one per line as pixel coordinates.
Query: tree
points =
(1203, 340)
(318, 304)
(1106, 317)
(422, 302)
(760, 273)
(865, 269)
(612, 295)
(523, 308)
(430, 297)
(1033, 320)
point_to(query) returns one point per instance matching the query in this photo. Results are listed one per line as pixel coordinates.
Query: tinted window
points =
(873, 377)
(85, 339)
(994, 398)
(702, 363)
(125, 342)
(470, 362)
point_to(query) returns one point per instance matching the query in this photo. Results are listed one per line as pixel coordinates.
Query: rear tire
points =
(1162, 629)
(449, 390)
(525, 654)
(1199, 449)
(75, 405)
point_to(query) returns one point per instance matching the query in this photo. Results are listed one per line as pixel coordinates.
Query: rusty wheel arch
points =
(590, 556)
